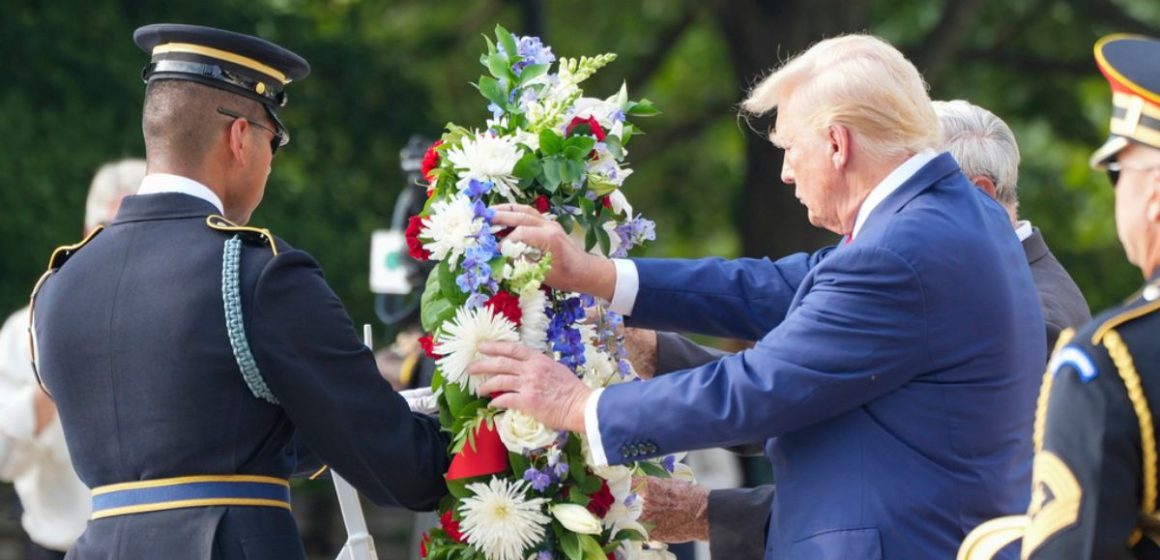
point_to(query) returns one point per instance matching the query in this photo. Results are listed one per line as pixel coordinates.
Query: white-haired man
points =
(33, 454)
(890, 377)
(734, 520)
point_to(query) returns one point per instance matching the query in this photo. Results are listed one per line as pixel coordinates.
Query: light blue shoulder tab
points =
(1076, 358)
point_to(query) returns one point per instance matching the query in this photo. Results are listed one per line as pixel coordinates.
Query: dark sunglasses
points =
(281, 136)
(1114, 169)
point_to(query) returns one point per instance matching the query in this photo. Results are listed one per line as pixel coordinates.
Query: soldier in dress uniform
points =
(1094, 492)
(197, 363)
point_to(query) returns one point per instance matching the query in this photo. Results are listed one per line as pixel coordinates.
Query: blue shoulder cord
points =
(231, 297)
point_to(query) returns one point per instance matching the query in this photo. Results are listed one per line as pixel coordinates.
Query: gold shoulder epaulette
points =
(260, 235)
(1149, 306)
(62, 253)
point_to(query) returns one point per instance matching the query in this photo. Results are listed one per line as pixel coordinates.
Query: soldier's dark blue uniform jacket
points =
(132, 341)
(1095, 481)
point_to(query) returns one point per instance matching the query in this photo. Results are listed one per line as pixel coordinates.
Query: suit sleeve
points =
(327, 382)
(675, 352)
(739, 521)
(742, 298)
(859, 333)
(1086, 479)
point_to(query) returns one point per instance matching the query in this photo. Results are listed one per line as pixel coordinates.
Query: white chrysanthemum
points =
(500, 521)
(487, 158)
(521, 433)
(451, 227)
(533, 319)
(459, 339)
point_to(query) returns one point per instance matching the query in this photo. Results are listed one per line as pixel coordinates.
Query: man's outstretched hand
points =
(533, 383)
(573, 269)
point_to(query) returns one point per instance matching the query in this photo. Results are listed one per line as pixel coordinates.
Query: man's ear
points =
(1152, 206)
(839, 138)
(238, 138)
(985, 183)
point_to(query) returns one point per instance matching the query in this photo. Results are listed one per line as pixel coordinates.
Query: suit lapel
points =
(1035, 247)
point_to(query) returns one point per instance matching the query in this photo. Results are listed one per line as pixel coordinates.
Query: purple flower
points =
(531, 51)
(476, 188)
(544, 555)
(560, 470)
(669, 462)
(540, 481)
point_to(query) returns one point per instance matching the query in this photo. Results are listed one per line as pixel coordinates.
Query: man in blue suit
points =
(890, 377)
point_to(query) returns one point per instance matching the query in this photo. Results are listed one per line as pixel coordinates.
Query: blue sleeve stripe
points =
(1076, 358)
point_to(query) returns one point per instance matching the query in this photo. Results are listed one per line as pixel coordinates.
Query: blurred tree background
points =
(386, 69)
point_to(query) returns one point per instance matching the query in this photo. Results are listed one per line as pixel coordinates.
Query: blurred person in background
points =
(33, 455)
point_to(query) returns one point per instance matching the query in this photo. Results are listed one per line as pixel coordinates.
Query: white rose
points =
(521, 433)
(577, 518)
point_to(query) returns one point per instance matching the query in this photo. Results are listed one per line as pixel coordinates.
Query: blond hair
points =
(860, 82)
(112, 181)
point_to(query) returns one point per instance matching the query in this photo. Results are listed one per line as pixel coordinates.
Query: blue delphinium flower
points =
(532, 51)
(539, 480)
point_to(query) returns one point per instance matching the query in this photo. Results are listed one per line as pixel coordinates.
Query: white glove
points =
(421, 400)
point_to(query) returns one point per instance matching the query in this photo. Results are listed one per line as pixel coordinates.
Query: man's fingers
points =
(506, 400)
(513, 350)
(495, 365)
(510, 218)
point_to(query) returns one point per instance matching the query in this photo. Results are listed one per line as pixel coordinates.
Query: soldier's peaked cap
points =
(239, 63)
(1131, 63)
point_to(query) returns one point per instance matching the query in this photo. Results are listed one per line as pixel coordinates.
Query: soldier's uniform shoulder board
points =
(65, 252)
(253, 235)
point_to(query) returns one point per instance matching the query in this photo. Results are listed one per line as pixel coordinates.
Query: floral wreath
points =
(518, 489)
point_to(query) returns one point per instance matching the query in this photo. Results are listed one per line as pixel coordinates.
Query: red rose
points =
(428, 345)
(541, 203)
(423, 545)
(606, 202)
(600, 502)
(591, 123)
(508, 305)
(414, 245)
(450, 526)
(430, 160)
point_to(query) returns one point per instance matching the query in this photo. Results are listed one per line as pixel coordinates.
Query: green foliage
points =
(382, 71)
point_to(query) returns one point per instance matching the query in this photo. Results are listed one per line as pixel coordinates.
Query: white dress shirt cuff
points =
(18, 416)
(592, 429)
(627, 286)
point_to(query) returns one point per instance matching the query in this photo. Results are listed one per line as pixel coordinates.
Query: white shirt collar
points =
(154, 183)
(890, 184)
(1023, 230)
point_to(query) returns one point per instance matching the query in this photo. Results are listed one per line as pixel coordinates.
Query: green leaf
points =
(591, 548)
(497, 64)
(458, 488)
(553, 167)
(629, 534)
(590, 239)
(434, 308)
(642, 108)
(527, 169)
(506, 41)
(519, 463)
(573, 171)
(614, 147)
(533, 71)
(583, 145)
(602, 238)
(653, 469)
(571, 546)
(447, 285)
(550, 142)
(490, 46)
(457, 397)
(489, 87)
(566, 222)
(590, 485)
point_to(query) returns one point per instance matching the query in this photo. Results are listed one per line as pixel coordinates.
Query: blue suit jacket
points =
(894, 377)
